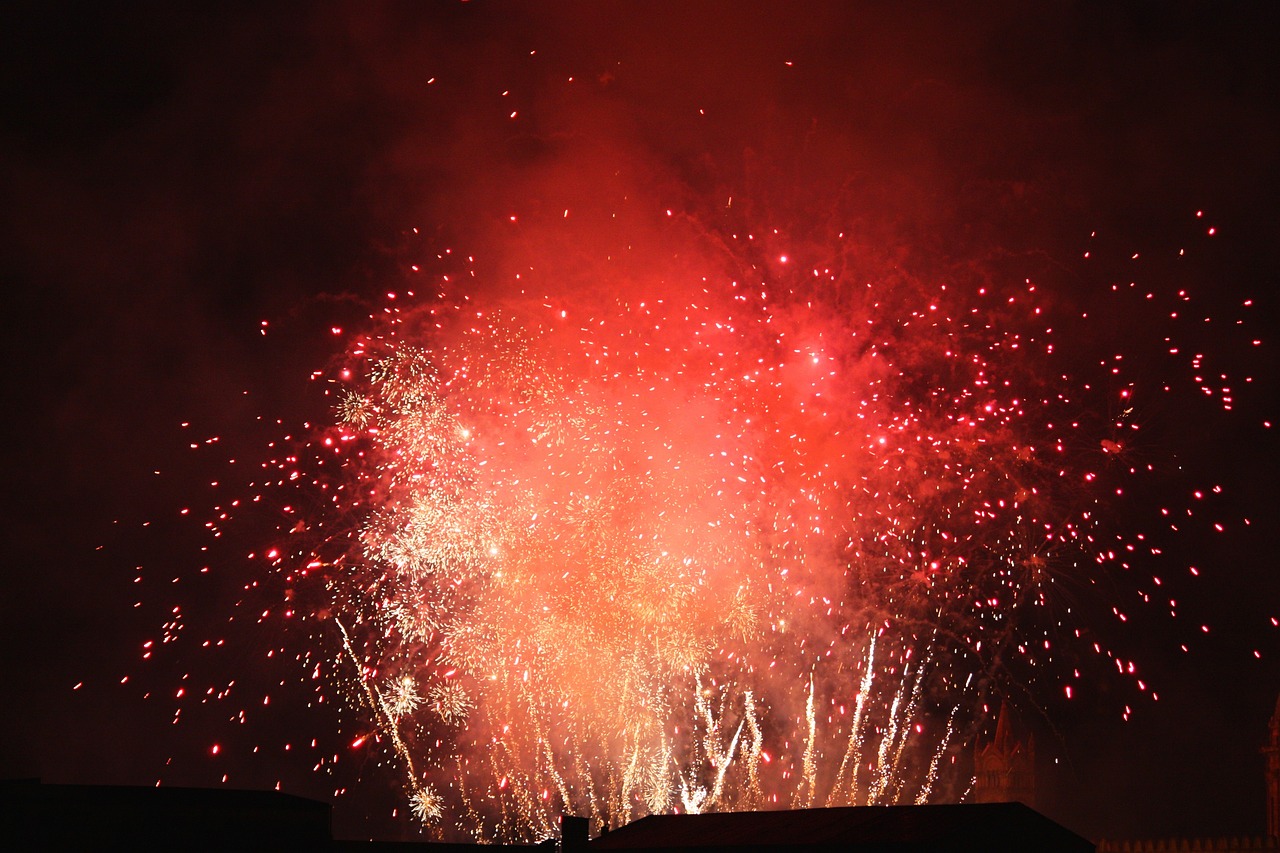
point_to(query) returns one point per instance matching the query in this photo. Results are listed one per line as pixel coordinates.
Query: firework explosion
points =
(761, 539)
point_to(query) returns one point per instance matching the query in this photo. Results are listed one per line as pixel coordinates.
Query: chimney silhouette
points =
(574, 832)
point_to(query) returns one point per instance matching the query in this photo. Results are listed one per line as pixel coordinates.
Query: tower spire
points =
(1004, 769)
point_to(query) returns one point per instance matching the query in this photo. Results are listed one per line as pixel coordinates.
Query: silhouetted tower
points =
(1272, 752)
(1005, 769)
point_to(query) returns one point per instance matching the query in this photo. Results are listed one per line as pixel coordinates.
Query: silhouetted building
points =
(1190, 845)
(1225, 844)
(34, 816)
(97, 817)
(1004, 769)
(987, 827)
(70, 817)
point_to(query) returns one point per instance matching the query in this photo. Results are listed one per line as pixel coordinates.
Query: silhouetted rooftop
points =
(35, 816)
(989, 827)
(100, 816)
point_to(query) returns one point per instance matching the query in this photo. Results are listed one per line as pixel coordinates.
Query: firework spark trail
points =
(804, 794)
(931, 776)
(852, 752)
(425, 802)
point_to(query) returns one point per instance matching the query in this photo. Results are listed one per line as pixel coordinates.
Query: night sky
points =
(194, 199)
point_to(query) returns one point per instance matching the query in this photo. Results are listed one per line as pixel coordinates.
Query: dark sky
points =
(172, 178)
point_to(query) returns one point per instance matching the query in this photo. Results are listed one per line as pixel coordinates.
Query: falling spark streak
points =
(853, 750)
(754, 794)
(931, 776)
(723, 762)
(426, 803)
(809, 772)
